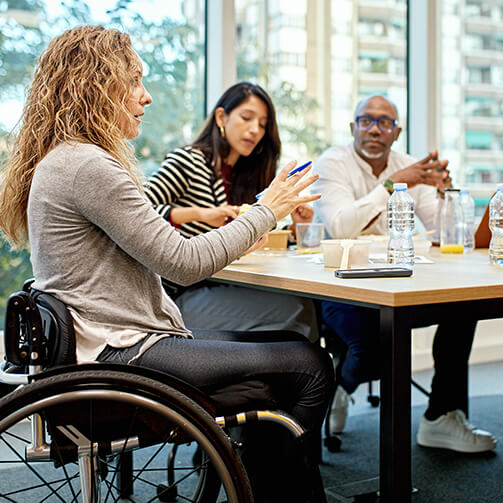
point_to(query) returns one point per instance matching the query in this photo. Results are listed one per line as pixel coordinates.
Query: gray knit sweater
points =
(100, 247)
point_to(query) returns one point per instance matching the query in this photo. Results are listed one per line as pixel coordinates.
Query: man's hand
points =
(428, 171)
(303, 214)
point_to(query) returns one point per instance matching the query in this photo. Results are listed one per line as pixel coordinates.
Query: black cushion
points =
(61, 336)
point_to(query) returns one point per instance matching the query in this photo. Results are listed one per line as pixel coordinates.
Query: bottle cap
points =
(403, 186)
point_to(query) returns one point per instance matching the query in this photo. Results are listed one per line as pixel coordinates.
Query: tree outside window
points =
(168, 36)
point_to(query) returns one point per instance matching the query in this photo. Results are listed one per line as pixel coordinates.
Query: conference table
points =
(451, 285)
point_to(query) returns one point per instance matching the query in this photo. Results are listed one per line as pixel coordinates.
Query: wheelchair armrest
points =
(11, 376)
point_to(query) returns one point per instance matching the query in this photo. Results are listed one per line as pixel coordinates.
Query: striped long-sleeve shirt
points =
(186, 178)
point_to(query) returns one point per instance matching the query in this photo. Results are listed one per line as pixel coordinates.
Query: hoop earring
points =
(222, 131)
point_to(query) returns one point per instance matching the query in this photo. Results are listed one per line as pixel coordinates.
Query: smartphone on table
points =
(374, 272)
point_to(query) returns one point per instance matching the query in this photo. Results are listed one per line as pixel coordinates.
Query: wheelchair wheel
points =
(84, 422)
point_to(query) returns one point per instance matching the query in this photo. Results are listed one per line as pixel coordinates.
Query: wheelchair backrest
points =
(38, 330)
(58, 329)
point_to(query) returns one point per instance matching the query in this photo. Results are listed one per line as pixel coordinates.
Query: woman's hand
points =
(283, 194)
(260, 242)
(218, 216)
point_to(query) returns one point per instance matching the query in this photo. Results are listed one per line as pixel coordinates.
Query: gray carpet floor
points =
(439, 476)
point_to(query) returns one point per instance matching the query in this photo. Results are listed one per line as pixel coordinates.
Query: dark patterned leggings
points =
(299, 373)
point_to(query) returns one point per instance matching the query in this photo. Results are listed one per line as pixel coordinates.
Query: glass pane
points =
(318, 59)
(472, 102)
(169, 37)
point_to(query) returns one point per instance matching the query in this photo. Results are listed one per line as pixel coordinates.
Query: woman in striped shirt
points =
(201, 186)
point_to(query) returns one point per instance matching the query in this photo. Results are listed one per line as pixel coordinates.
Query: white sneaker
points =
(339, 410)
(452, 431)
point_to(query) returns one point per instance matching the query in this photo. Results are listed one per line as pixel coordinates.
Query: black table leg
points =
(395, 414)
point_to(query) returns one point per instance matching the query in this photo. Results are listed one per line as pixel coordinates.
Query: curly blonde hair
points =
(78, 94)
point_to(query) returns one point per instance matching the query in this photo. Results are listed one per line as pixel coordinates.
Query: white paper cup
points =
(333, 252)
(276, 240)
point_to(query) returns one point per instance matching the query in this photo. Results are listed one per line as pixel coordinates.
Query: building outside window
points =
(345, 50)
(472, 49)
(357, 47)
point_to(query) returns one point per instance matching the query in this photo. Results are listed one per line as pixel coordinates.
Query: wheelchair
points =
(110, 432)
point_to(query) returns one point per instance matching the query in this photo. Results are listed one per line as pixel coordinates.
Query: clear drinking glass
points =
(452, 223)
(309, 237)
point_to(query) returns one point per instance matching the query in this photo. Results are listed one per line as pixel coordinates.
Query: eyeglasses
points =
(385, 124)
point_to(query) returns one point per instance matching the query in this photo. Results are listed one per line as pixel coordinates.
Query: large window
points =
(169, 37)
(318, 59)
(472, 98)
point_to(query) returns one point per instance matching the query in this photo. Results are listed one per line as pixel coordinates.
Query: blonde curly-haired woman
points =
(98, 246)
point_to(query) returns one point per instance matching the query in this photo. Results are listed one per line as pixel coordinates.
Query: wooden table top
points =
(450, 278)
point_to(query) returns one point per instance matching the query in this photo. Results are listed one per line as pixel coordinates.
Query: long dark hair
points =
(253, 173)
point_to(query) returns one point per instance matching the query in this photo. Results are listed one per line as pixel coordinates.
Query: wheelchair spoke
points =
(148, 462)
(57, 449)
(66, 481)
(28, 465)
(7, 498)
(181, 497)
(109, 492)
(38, 486)
(17, 437)
(89, 421)
(111, 485)
(121, 454)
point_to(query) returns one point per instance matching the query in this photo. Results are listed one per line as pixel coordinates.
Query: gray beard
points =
(368, 155)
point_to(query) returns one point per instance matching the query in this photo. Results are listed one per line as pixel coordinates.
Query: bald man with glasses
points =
(355, 182)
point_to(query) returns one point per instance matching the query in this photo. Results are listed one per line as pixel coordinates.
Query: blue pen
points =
(299, 168)
(295, 170)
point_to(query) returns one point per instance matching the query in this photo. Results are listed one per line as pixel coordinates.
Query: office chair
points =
(336, 347)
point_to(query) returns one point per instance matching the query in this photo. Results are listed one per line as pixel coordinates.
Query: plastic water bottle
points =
(496, 226)
(400, 210)
(468, 205)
